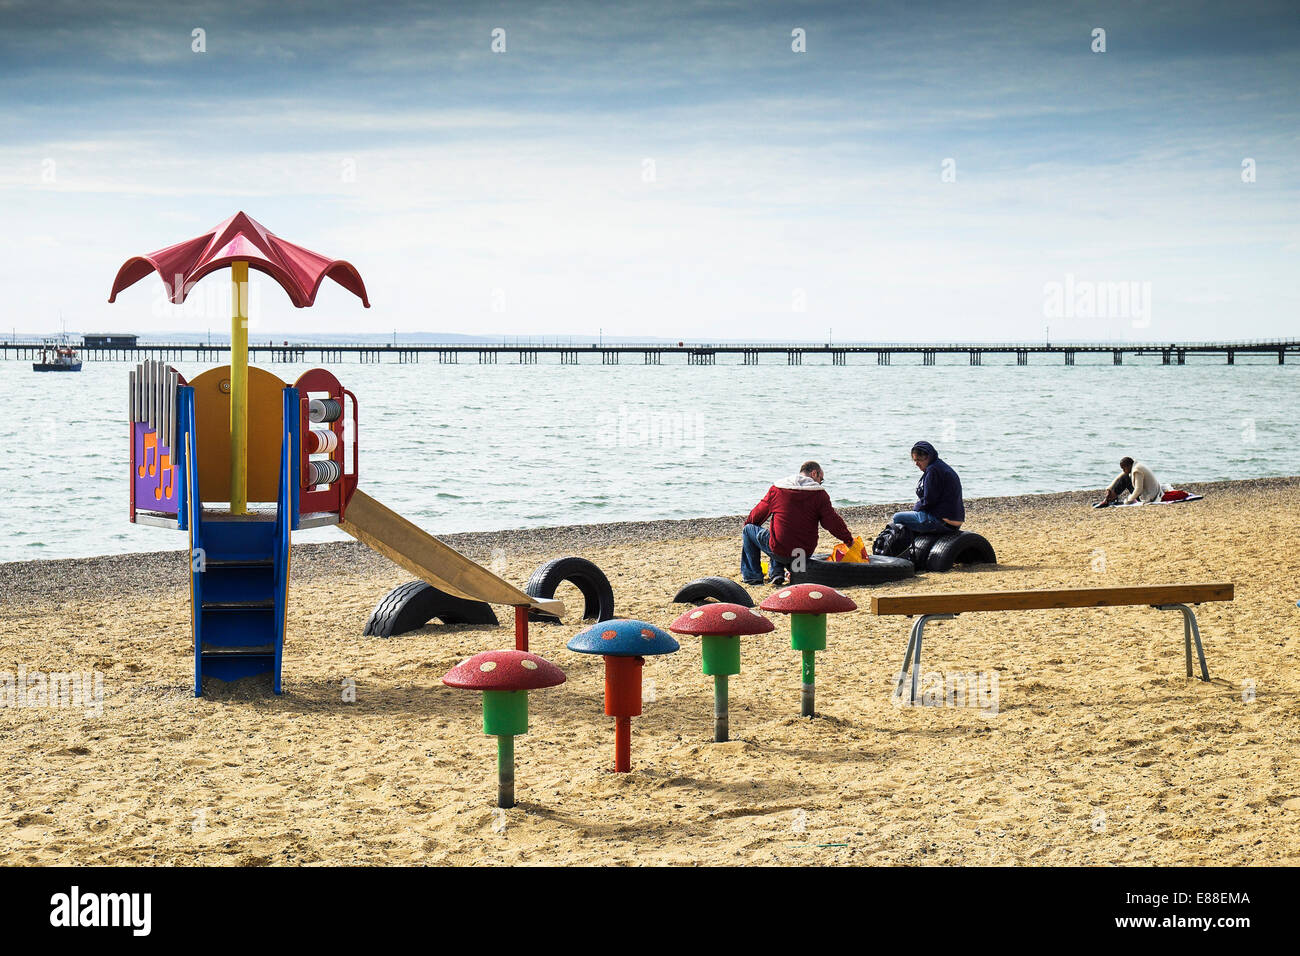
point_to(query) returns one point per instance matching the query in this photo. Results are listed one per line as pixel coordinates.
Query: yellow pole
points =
(238, 388)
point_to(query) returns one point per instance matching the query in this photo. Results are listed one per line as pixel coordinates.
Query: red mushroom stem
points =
(521, 628)
(622, 744)
(623, 702)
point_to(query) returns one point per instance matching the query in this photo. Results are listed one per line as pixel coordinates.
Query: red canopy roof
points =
(299, 271)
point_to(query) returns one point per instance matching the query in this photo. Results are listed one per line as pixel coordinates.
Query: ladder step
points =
(264, 605)
(251, 650)
(240, 563)
(243, 586)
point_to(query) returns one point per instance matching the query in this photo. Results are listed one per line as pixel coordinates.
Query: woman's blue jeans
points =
(922, 522)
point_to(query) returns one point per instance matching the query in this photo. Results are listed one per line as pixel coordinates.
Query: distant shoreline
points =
(56, 580)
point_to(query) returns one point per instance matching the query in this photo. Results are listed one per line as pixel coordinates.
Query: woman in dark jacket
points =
(938, 505)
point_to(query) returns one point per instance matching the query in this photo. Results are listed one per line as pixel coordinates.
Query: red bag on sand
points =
(1174, 495)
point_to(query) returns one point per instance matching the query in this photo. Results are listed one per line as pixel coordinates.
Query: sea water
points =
(473, 447)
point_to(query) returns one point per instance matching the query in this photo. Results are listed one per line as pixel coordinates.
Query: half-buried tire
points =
(597, 593)
(965, 547)
(711, 590)
(918, 552)
(844, 574)
(410, 606)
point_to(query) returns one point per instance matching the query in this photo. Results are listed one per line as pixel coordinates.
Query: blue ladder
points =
(239, 573)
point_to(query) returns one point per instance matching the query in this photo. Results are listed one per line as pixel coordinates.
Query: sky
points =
(918, 172)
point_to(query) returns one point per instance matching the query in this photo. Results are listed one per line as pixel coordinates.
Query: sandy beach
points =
(1100, 752)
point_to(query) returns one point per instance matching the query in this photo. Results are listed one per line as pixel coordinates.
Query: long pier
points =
(655, 353)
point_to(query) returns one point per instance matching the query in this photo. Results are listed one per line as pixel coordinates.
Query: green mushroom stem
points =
(720, 654)
(808, 634)
(505, 715)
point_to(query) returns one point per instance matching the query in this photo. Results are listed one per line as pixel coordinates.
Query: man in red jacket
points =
(797, 506)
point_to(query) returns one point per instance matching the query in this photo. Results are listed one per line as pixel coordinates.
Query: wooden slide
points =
(397, 539)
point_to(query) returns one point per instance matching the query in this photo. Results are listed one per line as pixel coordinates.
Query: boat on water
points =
(58, 357)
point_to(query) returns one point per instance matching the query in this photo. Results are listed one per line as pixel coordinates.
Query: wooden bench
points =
(941, 607)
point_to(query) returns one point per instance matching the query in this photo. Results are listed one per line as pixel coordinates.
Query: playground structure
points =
(240, 459)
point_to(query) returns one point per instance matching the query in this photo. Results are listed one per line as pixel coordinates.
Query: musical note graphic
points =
(150, 444)
(168, 478)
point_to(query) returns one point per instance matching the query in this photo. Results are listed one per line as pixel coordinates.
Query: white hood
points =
(798, 483)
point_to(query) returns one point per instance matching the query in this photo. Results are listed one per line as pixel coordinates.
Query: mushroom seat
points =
(504, 670)
(808, 599)
(625, 646)
(721, 626)
(505, 678)
(623, 639)
(727, 619)
(808, 604)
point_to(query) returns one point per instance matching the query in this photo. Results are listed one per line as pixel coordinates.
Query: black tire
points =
(919, 550)
(965, 547)
(597, 593)
(842, 574)
(713, 590)
(410, 606)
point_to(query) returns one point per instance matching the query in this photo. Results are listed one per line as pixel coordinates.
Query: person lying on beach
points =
(797, 505)
(938, 495)
(1135, 482)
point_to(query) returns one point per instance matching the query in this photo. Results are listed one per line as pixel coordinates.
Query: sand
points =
(1100, 751)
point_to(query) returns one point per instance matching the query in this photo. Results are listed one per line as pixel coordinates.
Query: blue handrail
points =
(190, 514)
(284, 522)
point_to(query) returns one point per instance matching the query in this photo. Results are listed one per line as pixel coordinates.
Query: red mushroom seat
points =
(725, 619)
(808, 599)
(721, 626)
(808, 605)
(504, 670)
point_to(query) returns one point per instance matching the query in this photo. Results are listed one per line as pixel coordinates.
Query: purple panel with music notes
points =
(155, 472)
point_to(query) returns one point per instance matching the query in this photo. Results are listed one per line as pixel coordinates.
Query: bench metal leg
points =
(907, 660)
(913, 655)
(1191, 632)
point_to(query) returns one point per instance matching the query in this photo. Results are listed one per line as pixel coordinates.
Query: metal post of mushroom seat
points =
(913, 655)
(721, 720)
(505, 771)
(808, 692)
(1191, 632)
